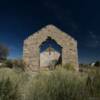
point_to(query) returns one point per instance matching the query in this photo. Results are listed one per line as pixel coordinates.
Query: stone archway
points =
(31, 51)
(50, 53)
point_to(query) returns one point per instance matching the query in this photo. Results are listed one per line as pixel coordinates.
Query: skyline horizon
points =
(20, 56)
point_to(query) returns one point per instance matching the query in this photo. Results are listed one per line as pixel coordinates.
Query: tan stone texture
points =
(31, 50)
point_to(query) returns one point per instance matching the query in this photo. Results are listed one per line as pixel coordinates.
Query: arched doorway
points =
(50, 53)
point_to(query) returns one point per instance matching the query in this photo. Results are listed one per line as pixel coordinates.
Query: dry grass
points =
(59, 84)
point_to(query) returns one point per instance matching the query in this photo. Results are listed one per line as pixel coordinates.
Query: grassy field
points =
(59, 84)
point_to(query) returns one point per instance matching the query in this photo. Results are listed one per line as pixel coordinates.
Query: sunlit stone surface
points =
(35, 59)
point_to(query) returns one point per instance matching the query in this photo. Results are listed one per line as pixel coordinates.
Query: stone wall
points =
(31, 52)
(46, 58)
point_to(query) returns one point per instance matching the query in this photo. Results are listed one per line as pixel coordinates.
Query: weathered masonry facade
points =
(31, 51)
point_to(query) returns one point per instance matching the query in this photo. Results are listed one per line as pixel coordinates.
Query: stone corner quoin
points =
(31, 49)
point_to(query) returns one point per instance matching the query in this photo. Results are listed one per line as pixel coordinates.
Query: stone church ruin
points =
(49, 46)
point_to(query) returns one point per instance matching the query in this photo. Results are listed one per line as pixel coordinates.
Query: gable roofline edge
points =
(47, 26)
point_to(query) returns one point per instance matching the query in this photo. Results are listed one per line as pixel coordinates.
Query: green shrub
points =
(52, 65)
(97, 64)
(69, 67)
(57, 85)
(4, 52)
(93, 83)
(8, 91)
(18, 81)
(8, 63)
(18, 64)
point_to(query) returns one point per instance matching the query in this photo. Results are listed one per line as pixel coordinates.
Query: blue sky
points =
(81, 19)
